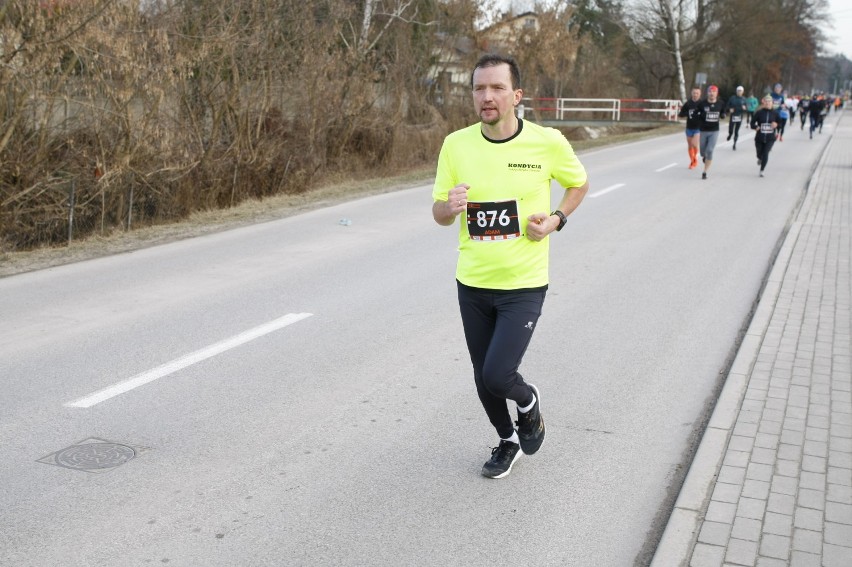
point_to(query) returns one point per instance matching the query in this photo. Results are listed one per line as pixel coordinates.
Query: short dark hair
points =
(492, 60)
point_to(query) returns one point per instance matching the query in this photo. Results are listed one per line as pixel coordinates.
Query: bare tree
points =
(674, 26)
(673, 18)
(738, 41)
(548, 52)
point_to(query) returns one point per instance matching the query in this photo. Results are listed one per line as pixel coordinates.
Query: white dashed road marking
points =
(607, 190)
(187, 360)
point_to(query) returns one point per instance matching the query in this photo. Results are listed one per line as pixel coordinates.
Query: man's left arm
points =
(542, 224)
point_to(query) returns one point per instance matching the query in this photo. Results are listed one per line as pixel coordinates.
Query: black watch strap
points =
(562, 218)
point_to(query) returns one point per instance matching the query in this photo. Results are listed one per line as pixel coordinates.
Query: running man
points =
(765, 122)
(825, 107)
(689, 110)
(736, 108)
(495, 177)
(710, 111)
(804, 103)
(815, 113)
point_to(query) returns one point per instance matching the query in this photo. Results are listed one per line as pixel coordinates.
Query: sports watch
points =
(562, 218)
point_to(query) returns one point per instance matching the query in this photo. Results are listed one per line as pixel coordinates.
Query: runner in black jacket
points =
(815, 110)
(736, 108)
(711, 111)
(764, 122)
(804, 103)
(689, 110)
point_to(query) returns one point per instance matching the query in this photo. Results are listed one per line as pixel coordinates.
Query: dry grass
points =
(250, 212)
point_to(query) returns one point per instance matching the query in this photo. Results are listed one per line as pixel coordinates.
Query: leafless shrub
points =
(145, 111)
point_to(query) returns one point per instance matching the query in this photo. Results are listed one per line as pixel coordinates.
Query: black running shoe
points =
(531, 426)
(502, 458)
(704, 175)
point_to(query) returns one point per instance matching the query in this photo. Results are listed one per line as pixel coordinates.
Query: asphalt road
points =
(298, 392)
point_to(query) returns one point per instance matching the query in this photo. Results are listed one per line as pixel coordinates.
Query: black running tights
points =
(734, 130)
(498, 327)
(763, 149)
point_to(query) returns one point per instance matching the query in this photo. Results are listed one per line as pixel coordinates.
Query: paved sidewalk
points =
(771, 482)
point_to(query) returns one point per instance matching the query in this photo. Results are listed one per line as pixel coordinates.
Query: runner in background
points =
(804, 103)
(777, 96)
(783, 117)
(751, 104)
(765, 122)
(689, 110)
(711, 111)
(737, 107)
(814, 113)
(793, 106)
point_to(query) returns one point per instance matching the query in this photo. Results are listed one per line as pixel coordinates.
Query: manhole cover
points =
(93, 455)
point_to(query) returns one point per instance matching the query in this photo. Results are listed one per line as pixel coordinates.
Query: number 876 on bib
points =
(489, 221)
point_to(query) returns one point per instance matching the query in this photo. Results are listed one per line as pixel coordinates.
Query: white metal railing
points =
(611, 106)
(612, 109)
(669, 107)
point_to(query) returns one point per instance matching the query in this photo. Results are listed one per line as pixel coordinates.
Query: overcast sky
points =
(840, 38)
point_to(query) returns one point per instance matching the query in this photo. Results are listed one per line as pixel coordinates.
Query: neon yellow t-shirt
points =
(509, 179)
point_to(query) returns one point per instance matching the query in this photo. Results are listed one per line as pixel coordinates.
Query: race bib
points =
(493, 220)
(766, 128)
(712, 117)
(736, 118)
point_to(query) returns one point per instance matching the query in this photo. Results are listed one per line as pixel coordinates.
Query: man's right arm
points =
(445, 212)
(442, 213)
